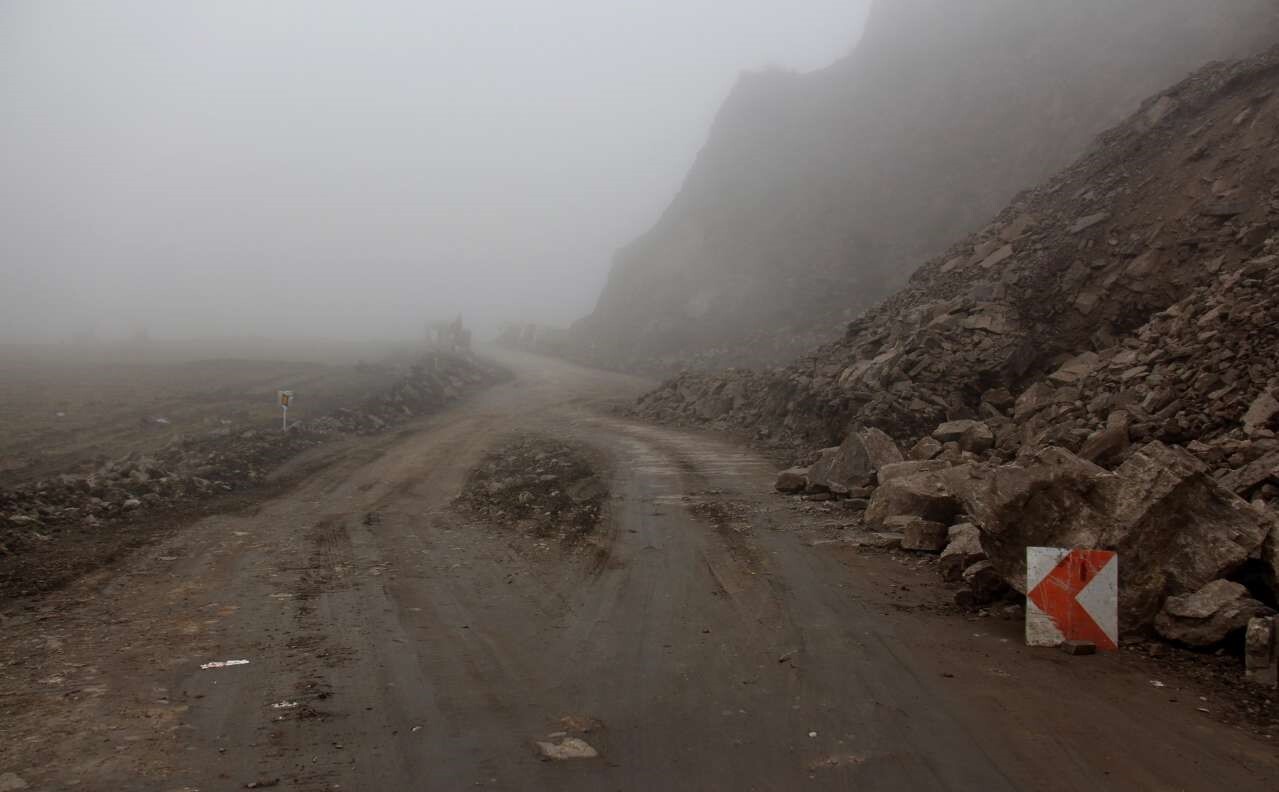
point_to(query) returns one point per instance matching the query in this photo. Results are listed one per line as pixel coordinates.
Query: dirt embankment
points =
(54, 528)
(543, 487)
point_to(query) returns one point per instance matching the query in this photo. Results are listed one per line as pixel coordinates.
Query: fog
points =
(341, 169)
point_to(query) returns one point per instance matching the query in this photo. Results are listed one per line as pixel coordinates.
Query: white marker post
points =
(285, 398)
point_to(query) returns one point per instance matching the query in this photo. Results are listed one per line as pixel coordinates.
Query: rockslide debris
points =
(1097, 367)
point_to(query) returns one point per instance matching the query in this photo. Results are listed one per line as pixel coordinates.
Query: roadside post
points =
(285, 397)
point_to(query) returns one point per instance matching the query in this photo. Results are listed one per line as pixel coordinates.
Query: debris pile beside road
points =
(36, 516)
(1096, 368)
(543, 486)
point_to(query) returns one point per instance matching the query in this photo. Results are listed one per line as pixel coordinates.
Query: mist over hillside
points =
(817, 194)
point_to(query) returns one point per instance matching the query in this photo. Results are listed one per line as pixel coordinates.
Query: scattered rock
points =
(1261, 652)
(566, 749)
(962, 551)
(918, 534)
(985, 585)
(1260, 413)
(1110, 443)
(1174, 527)
(927, 448)
(1206, 617)
(793, 480)
(1243, 480)
(1085, 223)
(907, 469)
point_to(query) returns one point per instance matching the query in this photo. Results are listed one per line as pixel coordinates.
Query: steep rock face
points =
(1135, 292)
(816, 193)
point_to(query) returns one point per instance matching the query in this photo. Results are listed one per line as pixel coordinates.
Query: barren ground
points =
(715, 639)
(67, 413)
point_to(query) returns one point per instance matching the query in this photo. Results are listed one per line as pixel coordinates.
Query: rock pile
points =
(1095, 368)
(1171, 206)
(817, 193)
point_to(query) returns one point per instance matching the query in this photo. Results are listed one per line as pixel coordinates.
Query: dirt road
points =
(395, 645)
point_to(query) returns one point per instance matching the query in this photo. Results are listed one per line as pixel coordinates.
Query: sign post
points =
(285, 397)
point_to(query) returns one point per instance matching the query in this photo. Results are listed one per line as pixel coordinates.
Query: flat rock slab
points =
(566, 749)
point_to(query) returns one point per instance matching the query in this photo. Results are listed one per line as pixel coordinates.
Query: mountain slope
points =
(1142, 279)
(816, 193)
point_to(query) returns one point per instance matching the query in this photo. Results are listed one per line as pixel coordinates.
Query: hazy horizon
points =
(342, 169)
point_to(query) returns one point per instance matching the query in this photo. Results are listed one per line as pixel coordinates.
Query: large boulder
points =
(1048, 499)
(1174, 528)
(856, 461)
(927, 495)
(1208, 616)
(1252, 475)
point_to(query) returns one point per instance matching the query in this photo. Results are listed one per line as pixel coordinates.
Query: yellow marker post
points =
(285, 397)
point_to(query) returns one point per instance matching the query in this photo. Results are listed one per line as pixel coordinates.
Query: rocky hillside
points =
(816, 194)
(1094, 368)
(1074, 286)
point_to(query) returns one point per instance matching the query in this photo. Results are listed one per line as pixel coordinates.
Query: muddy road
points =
(700, 642)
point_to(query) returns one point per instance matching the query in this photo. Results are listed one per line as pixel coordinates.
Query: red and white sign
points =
(1072, 595)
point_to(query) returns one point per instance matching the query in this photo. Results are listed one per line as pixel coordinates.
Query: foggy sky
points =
(324, 168)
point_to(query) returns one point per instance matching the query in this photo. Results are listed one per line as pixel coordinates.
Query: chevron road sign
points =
(1072, 595)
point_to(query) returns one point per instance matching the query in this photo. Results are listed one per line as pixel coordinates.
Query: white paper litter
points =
(223, 664)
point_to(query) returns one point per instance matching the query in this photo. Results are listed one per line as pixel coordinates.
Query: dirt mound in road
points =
(540, 485)
(55, 528)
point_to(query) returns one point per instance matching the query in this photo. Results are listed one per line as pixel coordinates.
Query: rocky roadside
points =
(55, 528)
(1096, 368)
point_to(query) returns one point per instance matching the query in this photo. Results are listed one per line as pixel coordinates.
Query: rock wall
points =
(1141, 279)
(816, 194)
(1096, 368)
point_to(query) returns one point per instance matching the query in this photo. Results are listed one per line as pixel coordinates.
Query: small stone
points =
(918, 533)
(963, 549)
(1209, 615)
(567, 749)
(1262, 411)
(1261, 662)
(792, 480)
(925, 449)
(984, 582)
(1085, 223)
(1079, 647)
